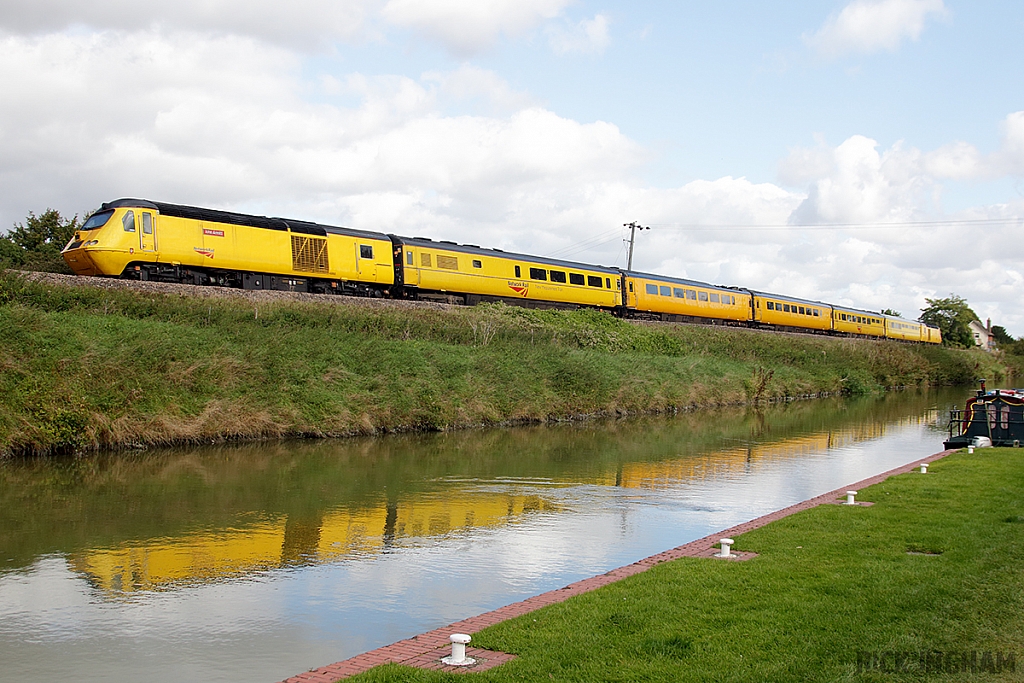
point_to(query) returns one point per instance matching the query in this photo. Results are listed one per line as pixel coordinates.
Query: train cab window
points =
(703, 296)
(147, 223)
(666, 291)
(652, 289)
(98, 220)
(691, 294)
(408, 258)
(365, 251)
(557, 276)
(577, 279)
(538, 274)
(424, 259)
(129, 222)
(714, 298)
(679, 293)
(477, 264)
(593, 281)
(519, 273)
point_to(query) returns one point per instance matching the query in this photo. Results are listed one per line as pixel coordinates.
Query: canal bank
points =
(925, 582)
(89, 367)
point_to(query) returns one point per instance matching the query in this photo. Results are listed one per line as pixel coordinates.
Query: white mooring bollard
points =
(924, 468)
(726, 547)
(849, 497)
(458, 656)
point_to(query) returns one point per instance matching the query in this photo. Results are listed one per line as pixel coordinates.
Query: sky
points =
(866, 152)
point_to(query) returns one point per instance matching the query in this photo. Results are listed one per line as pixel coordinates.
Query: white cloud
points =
(868, 26)
(589, 36)
(298, 23)
(466, 27)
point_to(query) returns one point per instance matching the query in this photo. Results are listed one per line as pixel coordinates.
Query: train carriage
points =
(856, 321)
(904, 330)
(448, 270)
(678, 300)
(787, 311)
(169, 242)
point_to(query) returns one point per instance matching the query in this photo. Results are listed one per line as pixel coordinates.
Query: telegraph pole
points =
(633, 227)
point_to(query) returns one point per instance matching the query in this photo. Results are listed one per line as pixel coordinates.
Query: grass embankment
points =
(83, 367)
(935, 566)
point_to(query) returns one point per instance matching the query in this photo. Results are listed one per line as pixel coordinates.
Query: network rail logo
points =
(934, 662)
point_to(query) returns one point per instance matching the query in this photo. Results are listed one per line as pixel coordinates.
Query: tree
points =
(889, 311)
(953, 317)
(37, 244)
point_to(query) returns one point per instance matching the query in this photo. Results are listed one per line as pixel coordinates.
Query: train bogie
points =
(431, 269)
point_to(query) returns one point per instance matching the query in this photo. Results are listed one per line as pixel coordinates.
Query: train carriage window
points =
(129, 222)
(817, 314)
(703, 296)
(365, 251)
(519, 272)
(842, 316)
(593, 281)
(538, 274)
(447, 262)
(577, 279)
(771, 305)
(666, 291)
(425, 259)
(408, 258)
(785, 308)
(691, 294)
(477, 264)
(652, 289)
(679, 293)
(800, 310)
(557, 276)
(608, 283)
(631, 286)
(714, 298)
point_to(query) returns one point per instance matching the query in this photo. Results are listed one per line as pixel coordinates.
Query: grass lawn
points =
(935, 566)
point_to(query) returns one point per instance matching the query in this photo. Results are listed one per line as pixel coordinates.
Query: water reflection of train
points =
(261, 543)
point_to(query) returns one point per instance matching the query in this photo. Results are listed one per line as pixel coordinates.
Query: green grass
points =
(85, 368)
(936, 565)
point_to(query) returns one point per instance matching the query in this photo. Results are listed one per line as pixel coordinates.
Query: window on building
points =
(593, 281)
(652, 289)
(576, 279)
(557, 276)
(538, 274)
(365, 251)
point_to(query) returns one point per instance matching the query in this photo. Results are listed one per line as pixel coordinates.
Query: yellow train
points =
(144, 240)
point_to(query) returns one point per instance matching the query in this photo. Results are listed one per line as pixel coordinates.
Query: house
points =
(983, 334)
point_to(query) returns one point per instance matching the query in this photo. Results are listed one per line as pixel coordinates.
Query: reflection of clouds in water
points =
(459, 547)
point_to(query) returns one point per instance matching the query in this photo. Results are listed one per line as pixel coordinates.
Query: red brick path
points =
(425, 650)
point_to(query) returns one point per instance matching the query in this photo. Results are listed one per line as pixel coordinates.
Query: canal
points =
(255, 562)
